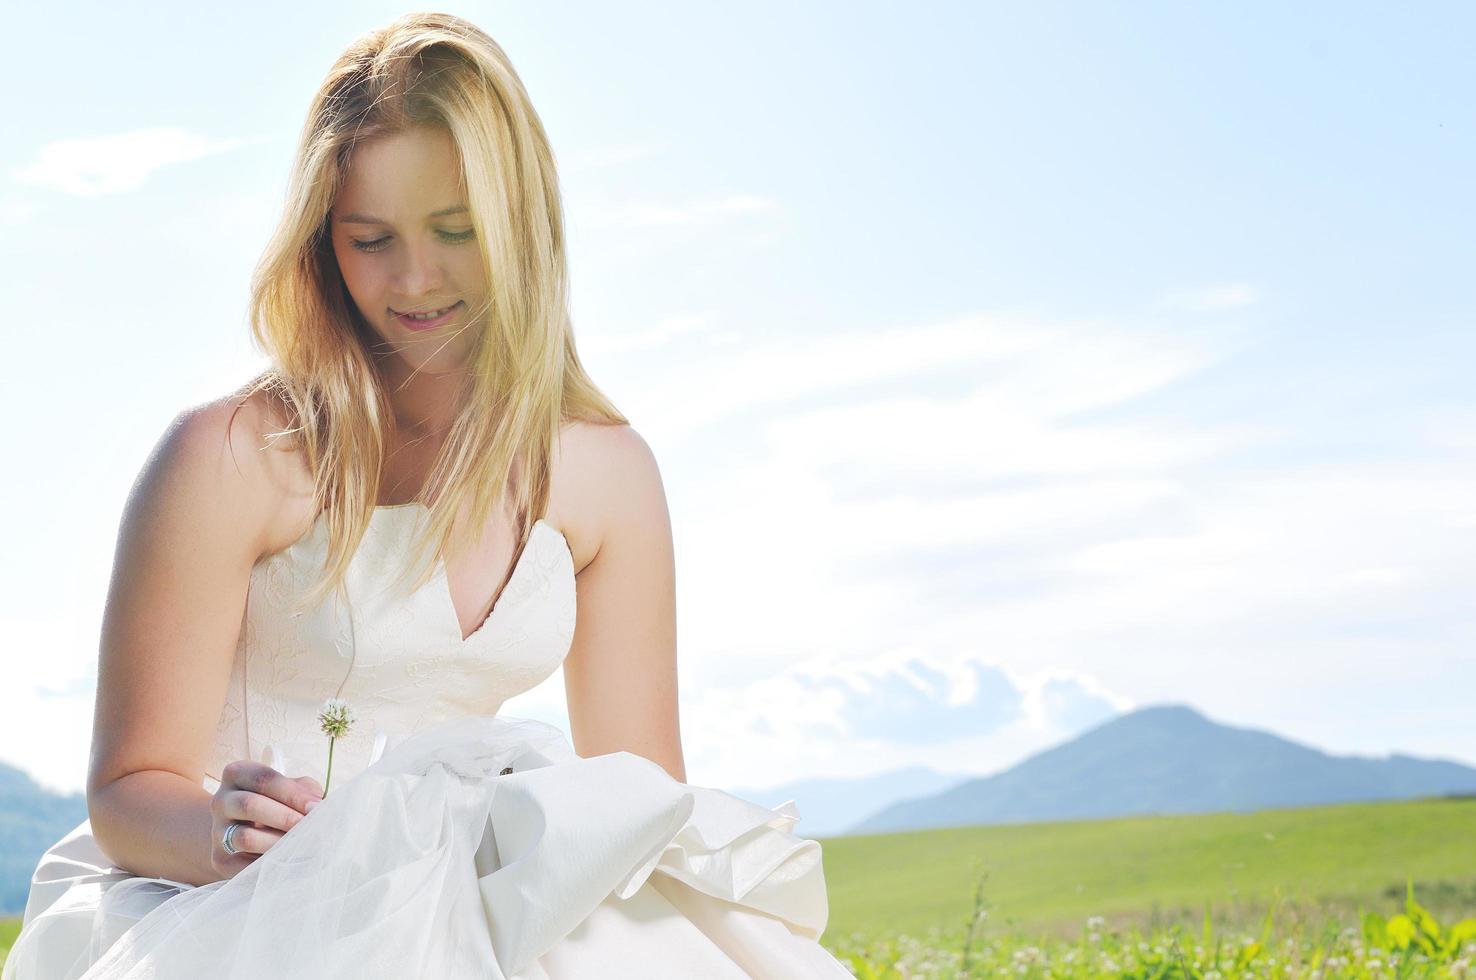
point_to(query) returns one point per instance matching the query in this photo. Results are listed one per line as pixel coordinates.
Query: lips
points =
(433, 309)
(445, 316)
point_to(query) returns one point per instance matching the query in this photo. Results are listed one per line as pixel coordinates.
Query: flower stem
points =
(328, 777)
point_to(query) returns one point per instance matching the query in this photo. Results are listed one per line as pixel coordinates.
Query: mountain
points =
(1169, 759)
(828, 806)
(31, 820)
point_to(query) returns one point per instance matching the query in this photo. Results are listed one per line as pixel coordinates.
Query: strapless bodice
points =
(399, 661)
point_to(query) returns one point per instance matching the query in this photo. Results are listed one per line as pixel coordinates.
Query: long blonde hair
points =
(525, 379)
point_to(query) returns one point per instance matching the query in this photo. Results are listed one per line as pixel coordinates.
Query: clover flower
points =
(336, 718)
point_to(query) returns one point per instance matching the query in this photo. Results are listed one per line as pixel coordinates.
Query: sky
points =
(1008, 366)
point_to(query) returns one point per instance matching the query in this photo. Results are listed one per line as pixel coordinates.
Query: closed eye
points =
(379, 244)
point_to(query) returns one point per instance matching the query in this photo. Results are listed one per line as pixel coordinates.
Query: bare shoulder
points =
(202, 455)
(605, 444)
(220, 450)
(607, 475)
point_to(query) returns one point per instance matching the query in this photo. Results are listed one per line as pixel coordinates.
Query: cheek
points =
(359, 276)
(470, 272)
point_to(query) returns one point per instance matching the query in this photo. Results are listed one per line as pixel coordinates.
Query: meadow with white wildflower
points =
(1409, 944)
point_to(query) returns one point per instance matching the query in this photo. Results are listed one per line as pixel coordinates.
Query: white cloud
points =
(98, 165)
(1451, 428)
(852, 718)
(16, 209)
(658, 334)
(1011, 371)
(46, 702)
(960, 487)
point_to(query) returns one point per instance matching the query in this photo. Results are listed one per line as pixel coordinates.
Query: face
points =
(405, 243)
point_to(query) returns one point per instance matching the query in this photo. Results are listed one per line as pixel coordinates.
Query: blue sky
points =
(1009, 366)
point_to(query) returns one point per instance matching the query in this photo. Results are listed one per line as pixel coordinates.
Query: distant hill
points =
(828, 806)
(31, 820)
(1170, 759)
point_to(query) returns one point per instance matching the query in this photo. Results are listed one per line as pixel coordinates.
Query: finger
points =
(250, 807)
(256, 840)
(313, 785)
(271, 783)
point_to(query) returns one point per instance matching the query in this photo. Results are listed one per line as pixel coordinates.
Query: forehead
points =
(401, 177)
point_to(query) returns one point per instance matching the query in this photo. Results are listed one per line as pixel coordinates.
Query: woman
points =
(300, 587)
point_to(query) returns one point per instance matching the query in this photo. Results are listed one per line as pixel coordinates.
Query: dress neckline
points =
(520, 565)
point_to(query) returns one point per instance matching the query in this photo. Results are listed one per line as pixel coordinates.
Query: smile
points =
(426, 321)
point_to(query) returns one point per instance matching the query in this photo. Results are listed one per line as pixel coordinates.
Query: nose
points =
(419, 273)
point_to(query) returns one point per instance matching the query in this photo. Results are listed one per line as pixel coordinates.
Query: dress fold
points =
(479, 847)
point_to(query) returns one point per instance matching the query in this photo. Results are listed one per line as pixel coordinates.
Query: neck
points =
(425, 404)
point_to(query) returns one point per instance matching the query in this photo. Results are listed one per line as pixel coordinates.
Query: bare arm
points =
(620, 676)
(194, 524)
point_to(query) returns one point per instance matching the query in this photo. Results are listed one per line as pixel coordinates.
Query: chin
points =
(450, 359)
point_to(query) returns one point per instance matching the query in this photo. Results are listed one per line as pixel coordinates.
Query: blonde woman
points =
(329, 581)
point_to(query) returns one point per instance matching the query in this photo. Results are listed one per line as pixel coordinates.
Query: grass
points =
(1150, 871)
(9, 929)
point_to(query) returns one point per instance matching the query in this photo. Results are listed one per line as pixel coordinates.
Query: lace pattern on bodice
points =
(399, 661)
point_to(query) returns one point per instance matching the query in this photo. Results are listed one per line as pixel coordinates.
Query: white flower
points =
(336, 718)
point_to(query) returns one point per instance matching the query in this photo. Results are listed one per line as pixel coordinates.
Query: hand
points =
(269, 803)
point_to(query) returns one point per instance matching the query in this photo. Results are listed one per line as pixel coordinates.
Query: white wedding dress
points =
(427, 858)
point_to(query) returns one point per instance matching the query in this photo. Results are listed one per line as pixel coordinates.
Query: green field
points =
(1288, 886)
(9, 928)
(1049, 877)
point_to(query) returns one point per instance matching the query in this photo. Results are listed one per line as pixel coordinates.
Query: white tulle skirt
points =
(431, 863)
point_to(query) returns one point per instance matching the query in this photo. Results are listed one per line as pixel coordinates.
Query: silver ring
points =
(230, 831)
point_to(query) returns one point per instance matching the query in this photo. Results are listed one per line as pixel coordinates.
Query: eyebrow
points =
(357, 218)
